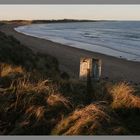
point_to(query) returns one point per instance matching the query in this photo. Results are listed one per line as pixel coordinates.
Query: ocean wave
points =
(119, 39)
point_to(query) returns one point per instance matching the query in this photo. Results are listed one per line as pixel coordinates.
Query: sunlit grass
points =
(123, 96)
(90, 120)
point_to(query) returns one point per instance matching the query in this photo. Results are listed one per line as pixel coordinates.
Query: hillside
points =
(37, 99)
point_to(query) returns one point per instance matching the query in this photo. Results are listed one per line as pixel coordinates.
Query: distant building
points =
(90, 68)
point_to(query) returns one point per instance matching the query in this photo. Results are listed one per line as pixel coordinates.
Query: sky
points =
(91, 12)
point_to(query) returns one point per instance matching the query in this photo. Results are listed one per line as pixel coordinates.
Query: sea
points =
(120, 39)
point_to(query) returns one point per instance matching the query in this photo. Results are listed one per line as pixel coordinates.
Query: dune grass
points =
(123, 96)
(33, 103)
(6, 69)
(93, 119)
(37, 99)
(125, 101)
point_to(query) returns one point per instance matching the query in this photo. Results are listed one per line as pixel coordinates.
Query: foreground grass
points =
(94, 119)
(39, 107)
(36, 99)
(26, 105)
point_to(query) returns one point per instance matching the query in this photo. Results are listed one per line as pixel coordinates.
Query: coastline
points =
(115, 69)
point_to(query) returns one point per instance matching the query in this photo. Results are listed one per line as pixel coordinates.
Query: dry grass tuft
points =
(123, 96)
(23, 93)
(33, 106)
(6, 69)
(91, 120)
(26, 85)
(37, 112)
(58, 100)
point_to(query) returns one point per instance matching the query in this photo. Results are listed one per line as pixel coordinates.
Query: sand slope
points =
(68, 57)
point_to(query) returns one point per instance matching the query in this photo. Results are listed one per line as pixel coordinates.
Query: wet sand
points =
(69, 58)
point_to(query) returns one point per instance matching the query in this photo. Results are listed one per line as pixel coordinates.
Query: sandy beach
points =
(69, 58)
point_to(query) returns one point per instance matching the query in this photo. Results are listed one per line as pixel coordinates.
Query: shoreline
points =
(82, 44)
(115, 69)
